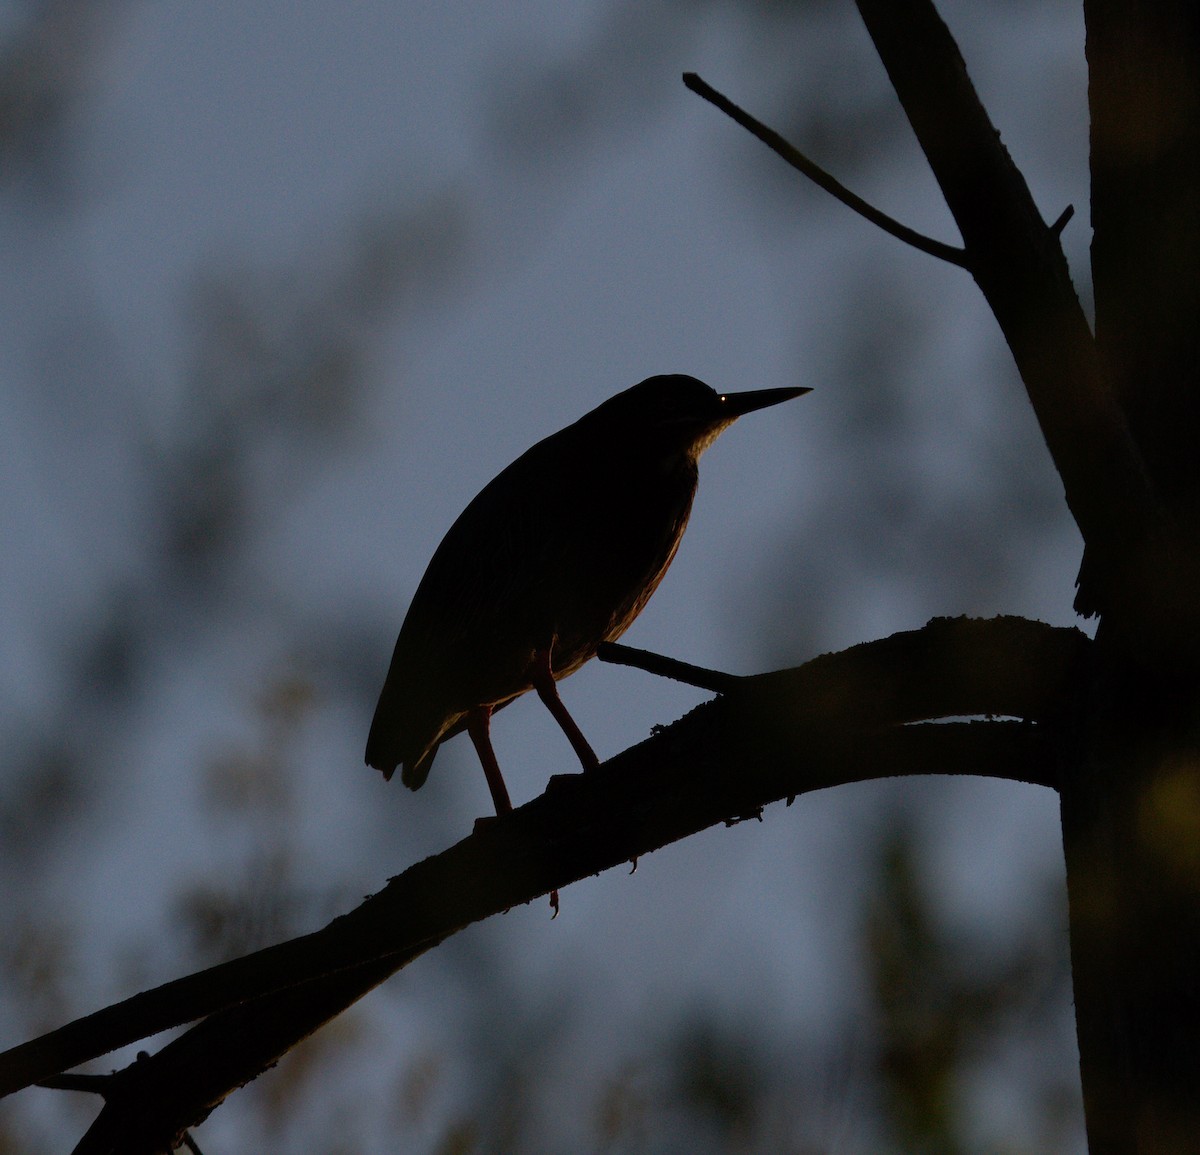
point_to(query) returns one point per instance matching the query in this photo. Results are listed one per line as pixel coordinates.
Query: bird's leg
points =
(478, 721)
(542, 676)
(547, 690)
(477, 726)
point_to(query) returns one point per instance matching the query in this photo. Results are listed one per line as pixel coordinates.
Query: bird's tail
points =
(397, 738)
(413, 774)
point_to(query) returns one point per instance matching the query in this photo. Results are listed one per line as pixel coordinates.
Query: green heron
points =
(556, 555)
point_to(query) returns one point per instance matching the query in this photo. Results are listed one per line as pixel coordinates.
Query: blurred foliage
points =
(279, 370)
(47, 55)
(946, 1004)
(275, 379)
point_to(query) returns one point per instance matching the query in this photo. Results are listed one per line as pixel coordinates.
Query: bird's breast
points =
(628, 530)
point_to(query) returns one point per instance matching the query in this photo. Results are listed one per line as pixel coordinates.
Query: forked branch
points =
(1018, 263)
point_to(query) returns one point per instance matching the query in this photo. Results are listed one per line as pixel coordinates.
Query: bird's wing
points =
(465, 639)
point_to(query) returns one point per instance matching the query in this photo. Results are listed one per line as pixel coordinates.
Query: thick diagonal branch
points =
(843, 717)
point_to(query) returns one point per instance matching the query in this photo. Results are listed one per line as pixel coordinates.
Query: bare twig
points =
(822, 179)
(1062, 220)
(664, 667)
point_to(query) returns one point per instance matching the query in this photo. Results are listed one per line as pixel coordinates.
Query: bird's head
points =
(675, 413)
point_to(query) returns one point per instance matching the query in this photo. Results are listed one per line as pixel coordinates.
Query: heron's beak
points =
(735, 404)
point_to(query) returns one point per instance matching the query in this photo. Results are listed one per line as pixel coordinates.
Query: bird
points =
(557, 554)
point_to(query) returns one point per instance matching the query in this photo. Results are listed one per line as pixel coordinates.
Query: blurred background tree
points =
(285, 286)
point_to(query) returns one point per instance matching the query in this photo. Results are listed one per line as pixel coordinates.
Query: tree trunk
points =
(1131, 795)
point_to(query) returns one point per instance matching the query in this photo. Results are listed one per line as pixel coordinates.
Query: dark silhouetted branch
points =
(815, 173)
(1137, 564)
(842, 717)
(664, 667)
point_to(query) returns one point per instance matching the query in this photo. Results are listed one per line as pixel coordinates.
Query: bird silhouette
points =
(557, 554)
